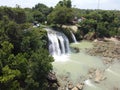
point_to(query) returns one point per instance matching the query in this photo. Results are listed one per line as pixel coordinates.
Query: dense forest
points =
(24, 58)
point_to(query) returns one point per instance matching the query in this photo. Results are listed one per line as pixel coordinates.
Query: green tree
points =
(39, 66)
(20, 16)
(66, 3)
(61, 15)
(38, 16)
(14, 34)
(40, 12)
(29, 15)
(7, 74)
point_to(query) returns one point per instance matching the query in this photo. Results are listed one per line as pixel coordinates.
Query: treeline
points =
(21, 15)
(104, 23)
(99, 23)
(24, 59)
(91, 23)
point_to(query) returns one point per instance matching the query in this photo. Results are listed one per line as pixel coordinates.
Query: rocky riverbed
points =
(108, 51)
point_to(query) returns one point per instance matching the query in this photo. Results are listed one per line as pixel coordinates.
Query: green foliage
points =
(8, 74)
(103, 23)
(29, 15)
(38, 16)
(15, 14)
(38, 66)
(24, 58)
(27, 68)
(61, 15)
(40, 12)
(66, 3)
(20, 16)
(42, 8)
(34, 39)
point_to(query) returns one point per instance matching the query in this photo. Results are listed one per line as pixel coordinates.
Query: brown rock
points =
(75, 88)
(98, 76)
(80, 86)
(70, 86)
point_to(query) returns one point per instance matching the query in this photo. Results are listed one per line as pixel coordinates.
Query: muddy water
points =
(76, 66)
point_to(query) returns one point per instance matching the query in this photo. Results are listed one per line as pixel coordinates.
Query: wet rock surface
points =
(67, 84)
(109, 50)
(53, 82)
(96, 75)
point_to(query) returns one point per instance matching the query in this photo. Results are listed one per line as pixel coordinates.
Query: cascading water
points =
(54, 46)
(58, 43)
(73, 37)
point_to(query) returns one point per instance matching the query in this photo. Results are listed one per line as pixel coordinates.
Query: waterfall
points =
(73, 37)
(58, 43)
(54, 46)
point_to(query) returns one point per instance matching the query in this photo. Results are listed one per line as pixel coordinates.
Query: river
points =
(76, 66)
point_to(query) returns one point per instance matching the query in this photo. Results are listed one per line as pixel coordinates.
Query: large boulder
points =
(90, 36)
(98, 76)
(70, 86)
(80, 86)
(52, 79)
(75, 88)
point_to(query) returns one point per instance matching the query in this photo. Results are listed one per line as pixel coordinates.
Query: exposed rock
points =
(70, 86)
(52, 80)
(74, 28)
(75, 88)
(103, 78)
(80, 86)
(91, 70)
(98, 76)
(90, 36)
(90, 76)
(91, 73)
(51, 77)
(110, 50)
(107, 60)
(76, 49)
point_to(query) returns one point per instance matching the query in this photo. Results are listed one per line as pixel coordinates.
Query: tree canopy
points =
(103, 22)
(24, 58)
(61, 15)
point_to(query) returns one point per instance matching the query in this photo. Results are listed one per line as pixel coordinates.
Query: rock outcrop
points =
(106, 49)
(97, 75)
(52, 81)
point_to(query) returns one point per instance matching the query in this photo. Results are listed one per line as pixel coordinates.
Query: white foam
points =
(88, 82)
(61, 58)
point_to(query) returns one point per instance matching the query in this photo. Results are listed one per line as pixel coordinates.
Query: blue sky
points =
(82, 4)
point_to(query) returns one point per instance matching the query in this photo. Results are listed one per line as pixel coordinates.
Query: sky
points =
(82, 4)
